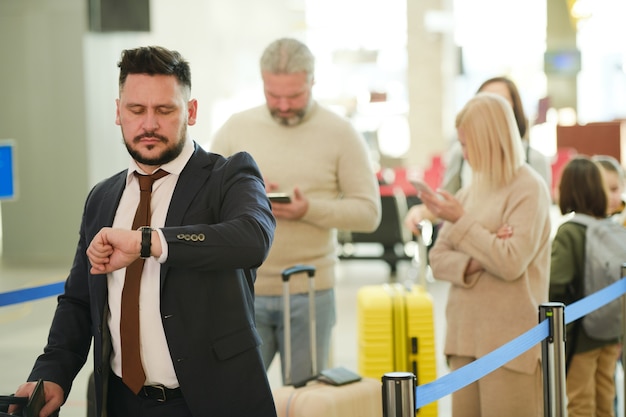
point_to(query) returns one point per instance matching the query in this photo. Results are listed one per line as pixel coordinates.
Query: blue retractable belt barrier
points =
(427, 393)
(30, 294)
(454, 381)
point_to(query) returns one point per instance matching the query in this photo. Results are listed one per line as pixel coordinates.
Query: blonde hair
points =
(493, 143)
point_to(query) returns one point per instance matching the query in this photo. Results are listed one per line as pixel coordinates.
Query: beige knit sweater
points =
(328, 161)
(493, 307)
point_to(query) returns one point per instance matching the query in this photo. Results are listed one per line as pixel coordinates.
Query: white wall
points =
(222, 40)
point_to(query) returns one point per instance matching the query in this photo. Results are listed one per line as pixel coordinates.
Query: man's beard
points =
(167, 156)
(296, 119)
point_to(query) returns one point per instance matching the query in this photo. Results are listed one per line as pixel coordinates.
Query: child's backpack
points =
(605, 253)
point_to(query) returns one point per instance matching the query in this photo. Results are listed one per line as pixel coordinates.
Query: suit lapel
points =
(192, 179)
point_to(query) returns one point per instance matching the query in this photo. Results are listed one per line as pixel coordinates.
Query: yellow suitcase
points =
(396, 334)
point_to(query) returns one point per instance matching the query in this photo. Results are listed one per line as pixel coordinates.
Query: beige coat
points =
(490, 308)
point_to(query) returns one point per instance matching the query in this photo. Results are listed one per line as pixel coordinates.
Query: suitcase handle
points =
(286, 274)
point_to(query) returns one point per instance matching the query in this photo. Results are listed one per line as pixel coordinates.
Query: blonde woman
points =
(494, 248)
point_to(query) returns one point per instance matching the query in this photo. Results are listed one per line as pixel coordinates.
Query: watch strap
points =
(146, 241)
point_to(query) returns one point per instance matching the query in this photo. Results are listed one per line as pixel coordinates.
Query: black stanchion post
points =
(553, 355)
(624, 335)
(399, 394)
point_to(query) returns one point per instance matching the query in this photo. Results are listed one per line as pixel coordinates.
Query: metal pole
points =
(553, 355)
(422, 252)
(399, 394)
(286, 274)
(312, 325)
(623, 335)
(287, 329)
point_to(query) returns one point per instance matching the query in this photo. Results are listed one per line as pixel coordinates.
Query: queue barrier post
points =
(624, 334)
(553, 360)
(399, 394)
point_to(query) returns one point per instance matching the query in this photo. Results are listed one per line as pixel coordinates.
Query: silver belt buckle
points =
(162, 388)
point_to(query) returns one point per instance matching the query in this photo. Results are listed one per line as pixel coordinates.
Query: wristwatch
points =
(146, 241)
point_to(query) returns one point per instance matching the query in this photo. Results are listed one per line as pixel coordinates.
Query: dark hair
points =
(518, 108)
(154, 60)
(581, 189)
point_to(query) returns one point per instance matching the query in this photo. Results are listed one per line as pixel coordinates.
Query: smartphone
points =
(279, 197)
(422, 187)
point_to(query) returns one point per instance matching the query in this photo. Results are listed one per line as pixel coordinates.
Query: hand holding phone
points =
(282, 198)
(424, 188)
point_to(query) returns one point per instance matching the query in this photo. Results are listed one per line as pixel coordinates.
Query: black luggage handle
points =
(287, 273)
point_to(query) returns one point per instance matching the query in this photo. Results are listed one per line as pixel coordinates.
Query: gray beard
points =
(293, 120)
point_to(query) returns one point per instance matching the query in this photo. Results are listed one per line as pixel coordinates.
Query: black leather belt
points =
(160, 393)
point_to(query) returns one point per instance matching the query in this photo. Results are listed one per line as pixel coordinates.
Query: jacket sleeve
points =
(229, 222)
(567, 267)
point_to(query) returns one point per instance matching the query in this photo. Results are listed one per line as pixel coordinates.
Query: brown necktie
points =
(132, 370)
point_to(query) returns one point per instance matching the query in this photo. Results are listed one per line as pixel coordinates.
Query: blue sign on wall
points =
(7, 170)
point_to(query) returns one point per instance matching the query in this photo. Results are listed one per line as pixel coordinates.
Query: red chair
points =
(563, 156)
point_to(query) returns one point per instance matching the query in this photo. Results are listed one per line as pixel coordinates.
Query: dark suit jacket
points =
(207, 289)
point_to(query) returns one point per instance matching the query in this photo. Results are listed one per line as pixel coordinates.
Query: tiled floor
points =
(25, 326)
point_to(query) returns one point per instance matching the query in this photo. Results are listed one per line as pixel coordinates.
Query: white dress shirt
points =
(155, 354)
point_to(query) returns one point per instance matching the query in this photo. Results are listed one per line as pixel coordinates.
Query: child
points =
(590, 362)
(613, 175)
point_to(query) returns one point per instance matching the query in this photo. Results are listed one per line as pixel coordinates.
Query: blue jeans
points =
(269, 323)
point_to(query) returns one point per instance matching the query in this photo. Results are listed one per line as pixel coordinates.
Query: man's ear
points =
(117, 112)
(192, 112)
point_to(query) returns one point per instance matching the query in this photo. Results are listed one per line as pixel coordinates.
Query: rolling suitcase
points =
(396, 331)
(336, 392)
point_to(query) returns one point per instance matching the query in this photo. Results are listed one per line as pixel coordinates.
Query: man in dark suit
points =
(211, 227)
